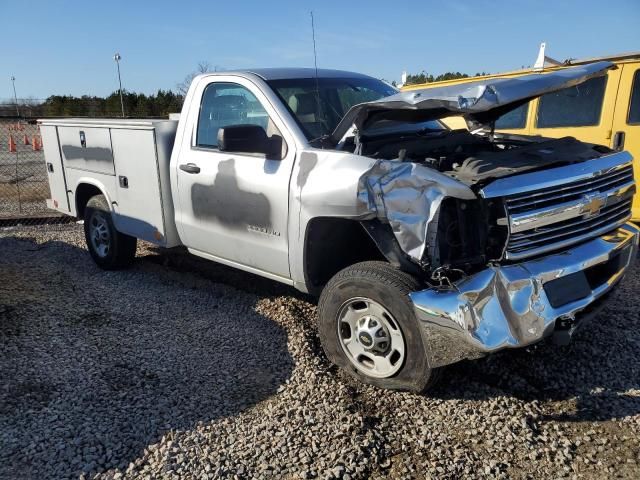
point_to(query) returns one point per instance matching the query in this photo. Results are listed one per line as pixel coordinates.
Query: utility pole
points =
(117, 58)
(15, 97)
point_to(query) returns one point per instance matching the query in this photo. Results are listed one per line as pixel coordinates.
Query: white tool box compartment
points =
(129, 156)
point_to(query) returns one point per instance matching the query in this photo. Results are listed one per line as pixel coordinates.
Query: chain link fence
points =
(24, 185)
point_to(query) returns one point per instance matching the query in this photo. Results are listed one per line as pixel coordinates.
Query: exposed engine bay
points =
(426, 186)
(476, 159)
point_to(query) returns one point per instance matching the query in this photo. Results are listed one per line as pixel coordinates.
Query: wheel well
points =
(84, 192)
(332, 244)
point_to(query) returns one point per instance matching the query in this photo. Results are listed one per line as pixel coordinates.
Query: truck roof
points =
(287, 73)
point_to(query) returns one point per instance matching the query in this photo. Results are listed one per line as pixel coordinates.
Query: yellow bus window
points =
(634, 106)
(577, 106)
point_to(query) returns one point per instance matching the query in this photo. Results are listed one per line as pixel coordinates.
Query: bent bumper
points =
(507, 306)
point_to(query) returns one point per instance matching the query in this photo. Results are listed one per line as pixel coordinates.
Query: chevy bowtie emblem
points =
(592, 203)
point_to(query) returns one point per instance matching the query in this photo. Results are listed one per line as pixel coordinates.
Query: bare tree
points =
(183, 87)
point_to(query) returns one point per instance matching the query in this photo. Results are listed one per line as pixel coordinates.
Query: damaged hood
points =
(480, 102)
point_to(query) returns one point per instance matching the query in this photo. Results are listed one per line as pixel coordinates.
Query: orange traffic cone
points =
(12, 145)
(36, 144)
(26, 139)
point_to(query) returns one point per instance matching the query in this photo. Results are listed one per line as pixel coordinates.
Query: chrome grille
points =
(572, 191)
(553, 209)
(543, 207)
(568, 232)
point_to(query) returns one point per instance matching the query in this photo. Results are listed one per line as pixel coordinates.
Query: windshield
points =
(318, 115)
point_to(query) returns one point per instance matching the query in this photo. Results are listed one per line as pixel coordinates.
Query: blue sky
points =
(66, 47)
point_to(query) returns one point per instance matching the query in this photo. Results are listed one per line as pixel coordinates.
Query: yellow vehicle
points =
(604, 110)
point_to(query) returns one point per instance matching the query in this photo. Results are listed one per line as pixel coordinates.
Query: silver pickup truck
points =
(425, 245)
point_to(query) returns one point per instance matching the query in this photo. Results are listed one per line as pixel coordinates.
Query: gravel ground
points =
(181, 368)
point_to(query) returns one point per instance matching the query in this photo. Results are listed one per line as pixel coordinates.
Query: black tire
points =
(388, 286)
(121, 248)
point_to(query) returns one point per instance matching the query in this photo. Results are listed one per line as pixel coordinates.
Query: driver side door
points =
(233, 206)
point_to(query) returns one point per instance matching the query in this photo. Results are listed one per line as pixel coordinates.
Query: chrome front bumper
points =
(507, 306)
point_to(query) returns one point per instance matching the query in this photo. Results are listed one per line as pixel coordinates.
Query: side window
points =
(514, 119)
(578, 106)
(225, 104)
(634, 106)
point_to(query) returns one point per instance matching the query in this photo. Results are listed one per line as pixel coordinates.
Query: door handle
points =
(190, 168)
(618, 141)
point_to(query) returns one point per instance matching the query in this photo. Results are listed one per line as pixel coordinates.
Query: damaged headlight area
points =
(465, 234)
(438, 222)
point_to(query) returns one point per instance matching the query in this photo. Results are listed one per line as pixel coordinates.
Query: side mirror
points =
(248, 139)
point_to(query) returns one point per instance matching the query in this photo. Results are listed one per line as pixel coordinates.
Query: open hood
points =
(480, 102)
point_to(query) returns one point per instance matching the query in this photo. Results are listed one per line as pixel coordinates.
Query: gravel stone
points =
(183, 368)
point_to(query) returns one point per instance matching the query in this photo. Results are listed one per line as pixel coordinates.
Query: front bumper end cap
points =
(506, 306)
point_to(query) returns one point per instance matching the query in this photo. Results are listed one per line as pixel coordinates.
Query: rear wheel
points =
(368, 328)
(109, 248)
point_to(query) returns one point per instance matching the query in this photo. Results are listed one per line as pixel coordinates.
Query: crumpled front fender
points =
(408, 196)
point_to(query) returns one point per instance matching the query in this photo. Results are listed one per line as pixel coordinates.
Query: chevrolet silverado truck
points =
(425, 245)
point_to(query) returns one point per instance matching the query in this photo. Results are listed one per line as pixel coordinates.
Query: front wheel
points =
(368, 328)
(109, 248)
